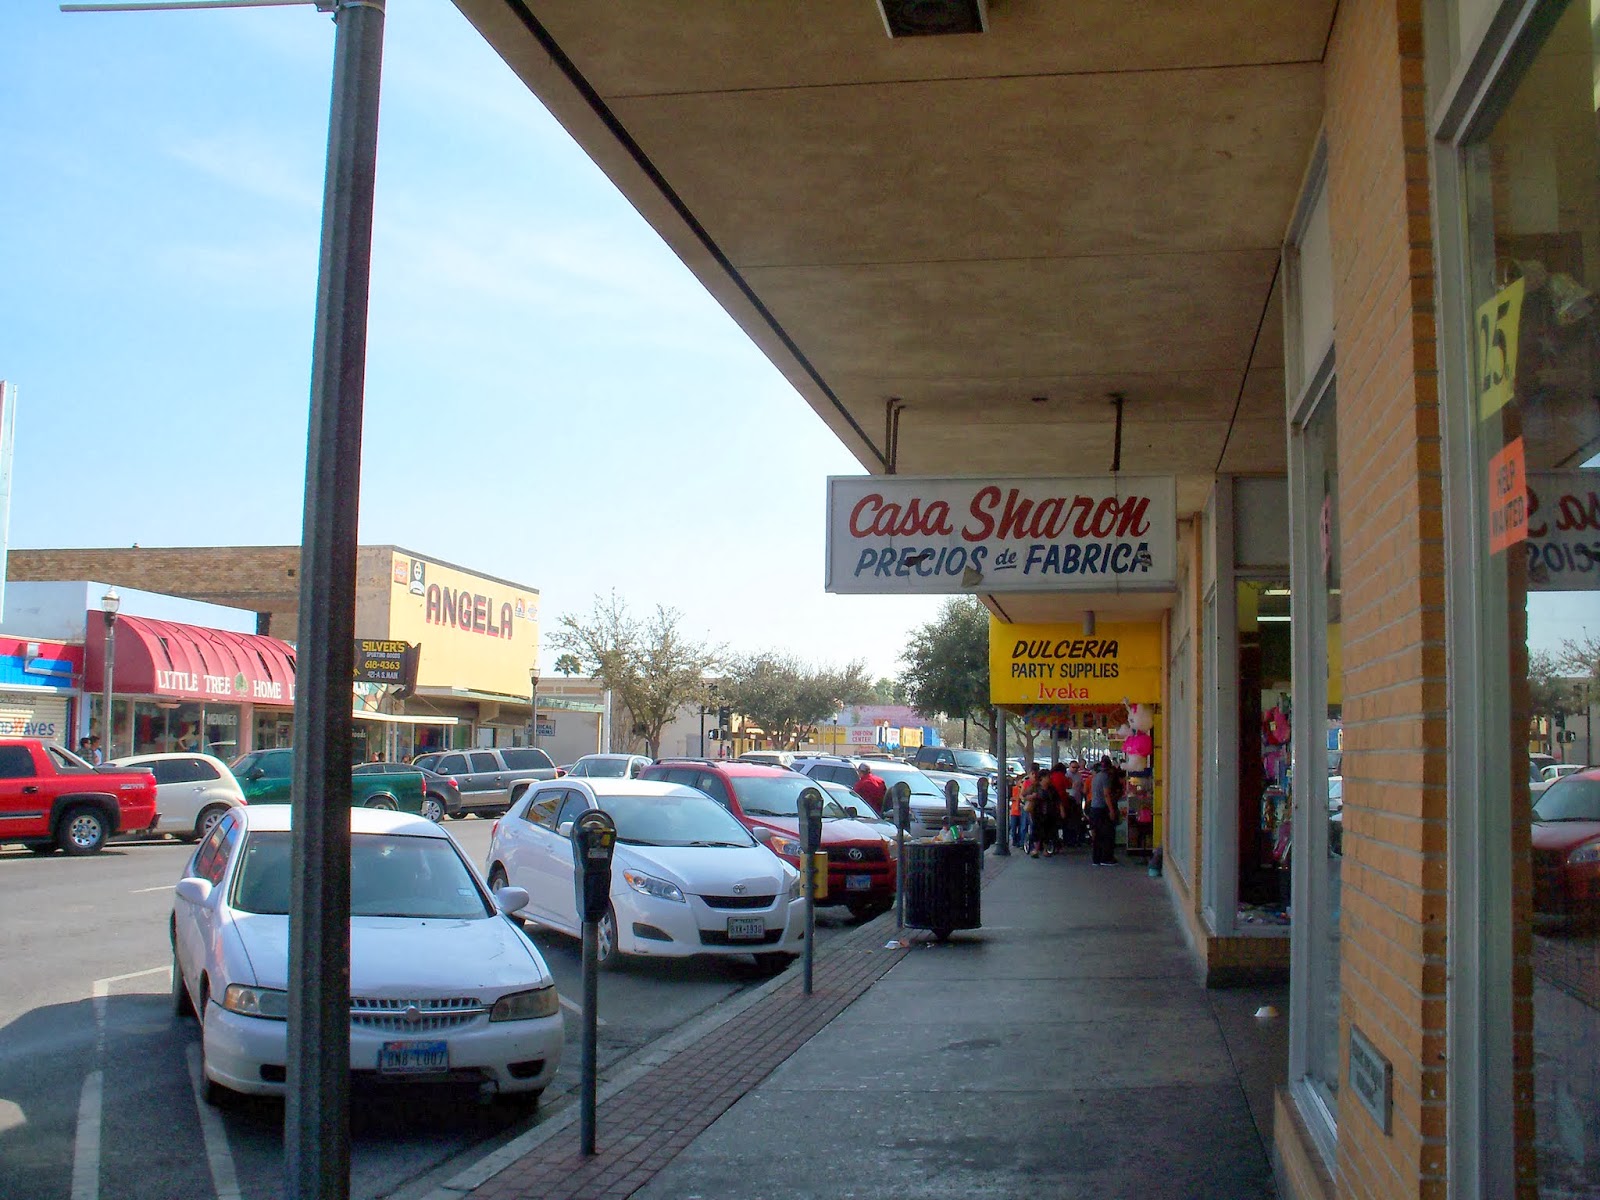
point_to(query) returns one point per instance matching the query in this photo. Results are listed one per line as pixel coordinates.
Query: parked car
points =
(686, 877)
(1566, 847)
(50, 798)
(485, 776)
(444, 985)
(771, 758)
(266, 775)
(441, 794)
(968, 786)
(1544, 775)
(929, 817)
(948, 758)
(766, 800)
(609, 766)
(192, 791)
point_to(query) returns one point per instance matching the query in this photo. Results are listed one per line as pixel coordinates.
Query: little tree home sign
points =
(900, 534)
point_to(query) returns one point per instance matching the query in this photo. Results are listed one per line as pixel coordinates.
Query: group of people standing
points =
(1066, 805)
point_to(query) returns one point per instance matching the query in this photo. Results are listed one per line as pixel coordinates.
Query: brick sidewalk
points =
(646, 1124)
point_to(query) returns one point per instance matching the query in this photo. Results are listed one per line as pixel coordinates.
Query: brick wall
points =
(1391, 515)
(261, 579)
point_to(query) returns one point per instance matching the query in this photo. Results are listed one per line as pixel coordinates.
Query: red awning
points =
(190, 662)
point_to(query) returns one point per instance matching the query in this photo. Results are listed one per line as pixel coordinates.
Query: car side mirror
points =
(565, 829)
(512, 899)
(194, 890)
(762, 834)
(257, 773)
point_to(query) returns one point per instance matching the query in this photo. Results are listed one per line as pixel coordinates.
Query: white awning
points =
(362, 714)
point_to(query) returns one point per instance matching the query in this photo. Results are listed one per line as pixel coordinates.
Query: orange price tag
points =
(1508, 497)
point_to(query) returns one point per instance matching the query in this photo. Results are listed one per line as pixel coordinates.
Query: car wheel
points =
(381, 803)
(182, 1005)
(82, 830)
(433, 808)
(207, 821)
(459, 814)
(497, 878)
(775, 962)
(607, 956)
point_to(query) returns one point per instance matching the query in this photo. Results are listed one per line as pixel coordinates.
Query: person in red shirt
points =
(870, 787)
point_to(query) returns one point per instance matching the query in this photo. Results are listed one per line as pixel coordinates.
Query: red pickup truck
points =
(49, 797)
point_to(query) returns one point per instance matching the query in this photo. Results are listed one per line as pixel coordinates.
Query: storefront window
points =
(273, 728)
(1533, 203)
(1266, 782)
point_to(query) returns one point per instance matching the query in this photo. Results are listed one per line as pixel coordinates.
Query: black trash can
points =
(943, 886)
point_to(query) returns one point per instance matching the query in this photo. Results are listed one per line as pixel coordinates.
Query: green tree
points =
(786, 697)
(888, 691)
(648, 663)
(947, 664)
(568, 664)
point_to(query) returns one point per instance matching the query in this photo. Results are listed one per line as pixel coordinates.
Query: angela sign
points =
(900, 534)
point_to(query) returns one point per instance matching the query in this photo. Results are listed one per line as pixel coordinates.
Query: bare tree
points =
(649, 664)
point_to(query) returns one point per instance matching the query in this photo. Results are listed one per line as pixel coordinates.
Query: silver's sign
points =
(902, 534)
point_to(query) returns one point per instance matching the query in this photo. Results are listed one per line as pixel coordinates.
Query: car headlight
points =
(651, 886)
(526, 1006)
(891, 847)
(1589, 852)
(267, 1003)
(785, 846)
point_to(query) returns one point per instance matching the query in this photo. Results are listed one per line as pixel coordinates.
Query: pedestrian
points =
(86, 749)
(96, 755)
(1019, 816)
(1072, 819)
(870, 787)
(1046, 815)
(1103, 815)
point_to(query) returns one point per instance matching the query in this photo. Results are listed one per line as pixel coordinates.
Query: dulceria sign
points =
(896, 533)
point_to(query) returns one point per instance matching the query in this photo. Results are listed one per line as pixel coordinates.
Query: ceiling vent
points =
(921, 18)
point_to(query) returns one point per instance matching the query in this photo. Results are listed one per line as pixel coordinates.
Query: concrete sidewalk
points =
(1065, 1049)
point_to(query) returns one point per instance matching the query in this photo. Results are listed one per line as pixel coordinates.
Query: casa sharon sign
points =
(901, 534)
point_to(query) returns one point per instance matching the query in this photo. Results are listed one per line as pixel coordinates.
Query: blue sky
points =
(551, 397)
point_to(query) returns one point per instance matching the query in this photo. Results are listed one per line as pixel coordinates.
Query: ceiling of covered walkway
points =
(993, 232)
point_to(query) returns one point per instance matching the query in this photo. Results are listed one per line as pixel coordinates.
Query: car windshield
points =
(976, 760)
(893, 773)
(690, 819)
(603, 768)
(840, 801)
(1569, 799)
(771, 796)
(390, 876)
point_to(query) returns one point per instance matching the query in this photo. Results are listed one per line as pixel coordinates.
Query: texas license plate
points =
(413, 1058)
(745, 929)
(857, 883)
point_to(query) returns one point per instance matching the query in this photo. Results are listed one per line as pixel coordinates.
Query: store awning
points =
(362, 714)
(190, 662)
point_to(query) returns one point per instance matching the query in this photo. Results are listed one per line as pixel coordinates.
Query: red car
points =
(766, 800)
(50, 798)
(1566, 847)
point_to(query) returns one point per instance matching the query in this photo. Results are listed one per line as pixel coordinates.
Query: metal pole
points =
(809, 882)
(588, 1060)
(317, 1111)
(1002, 802)
(902, 814)
(702, 731)
(105, 713)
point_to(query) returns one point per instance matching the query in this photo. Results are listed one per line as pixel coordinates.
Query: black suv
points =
(962, 762)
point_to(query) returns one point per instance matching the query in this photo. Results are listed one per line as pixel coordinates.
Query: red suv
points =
(861, 867)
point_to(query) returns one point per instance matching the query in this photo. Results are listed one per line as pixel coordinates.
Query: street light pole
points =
(109, 604)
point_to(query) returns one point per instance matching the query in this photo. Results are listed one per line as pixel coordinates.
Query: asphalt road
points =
(98, 1080)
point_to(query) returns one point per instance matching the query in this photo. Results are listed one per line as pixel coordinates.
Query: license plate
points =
(857, 883)
(413, 1058)
(746, 929)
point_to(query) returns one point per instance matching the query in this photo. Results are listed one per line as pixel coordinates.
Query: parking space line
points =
(218, 1156)
(102, 987)
(86, 1143)
(577, 1010)
(165, 887)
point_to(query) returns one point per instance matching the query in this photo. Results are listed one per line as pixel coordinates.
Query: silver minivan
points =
(485, 776)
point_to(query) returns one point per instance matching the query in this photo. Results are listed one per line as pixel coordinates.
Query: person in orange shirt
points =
(1019, 818)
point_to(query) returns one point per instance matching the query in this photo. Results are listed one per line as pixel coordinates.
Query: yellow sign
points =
(1499, 322)
(476, 632)
(1058, 664)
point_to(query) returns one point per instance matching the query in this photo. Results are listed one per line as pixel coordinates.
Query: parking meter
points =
(594, 836)
(952, 802)
(810, 804)
(900, 796)
(983, 791)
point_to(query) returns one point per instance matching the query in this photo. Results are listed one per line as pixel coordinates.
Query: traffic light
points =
(724, 715)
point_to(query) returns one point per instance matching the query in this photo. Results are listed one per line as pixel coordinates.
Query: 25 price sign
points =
(1498, 323)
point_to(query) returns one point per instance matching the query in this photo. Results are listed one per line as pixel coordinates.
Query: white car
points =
(686, 877)
(192, 791)
(444, 984)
